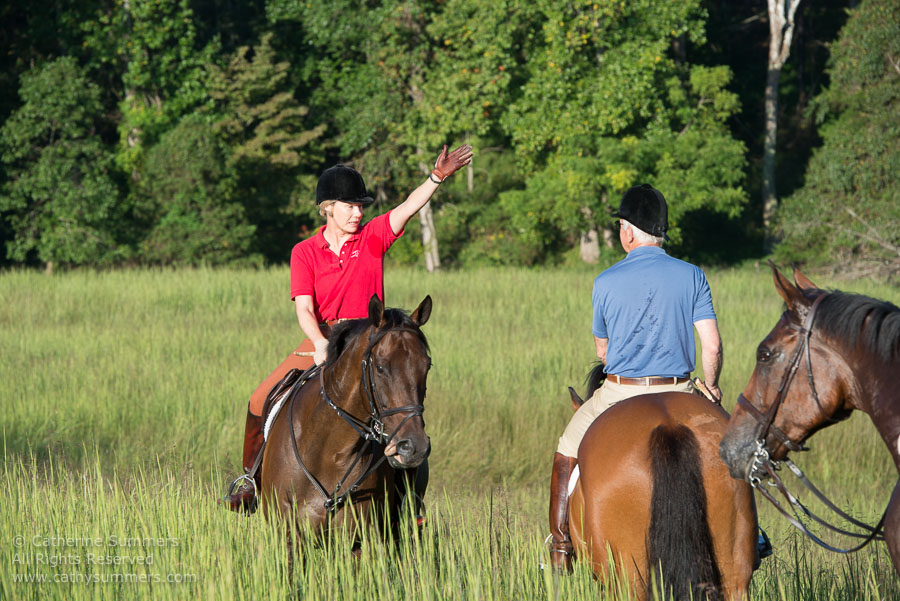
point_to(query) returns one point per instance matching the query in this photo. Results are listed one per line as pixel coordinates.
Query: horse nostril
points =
(404, 447)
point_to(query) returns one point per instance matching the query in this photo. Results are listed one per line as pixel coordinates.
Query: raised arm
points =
(446, 165)
(711, 345)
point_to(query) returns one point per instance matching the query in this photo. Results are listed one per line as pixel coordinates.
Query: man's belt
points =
(646, 381)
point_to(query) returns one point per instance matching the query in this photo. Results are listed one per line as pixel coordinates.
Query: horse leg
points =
(732, 517)
(892, 528)
(414, 481)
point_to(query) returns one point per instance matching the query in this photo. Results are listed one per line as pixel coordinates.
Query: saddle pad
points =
(573, 479)
(274, 412)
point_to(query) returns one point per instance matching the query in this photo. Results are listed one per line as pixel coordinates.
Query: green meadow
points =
(123, 395)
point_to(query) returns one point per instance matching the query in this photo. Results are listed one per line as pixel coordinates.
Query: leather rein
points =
(761, 465)
(371, 430)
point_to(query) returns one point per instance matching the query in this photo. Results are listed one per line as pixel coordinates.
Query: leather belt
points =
(647, 381)
(333, 322)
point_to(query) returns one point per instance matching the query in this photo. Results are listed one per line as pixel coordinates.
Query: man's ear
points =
(627, 234)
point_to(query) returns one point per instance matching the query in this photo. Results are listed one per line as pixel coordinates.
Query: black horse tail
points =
(595, 379)
(680, 549)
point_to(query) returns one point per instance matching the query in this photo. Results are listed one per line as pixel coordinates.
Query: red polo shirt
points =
(341, 286)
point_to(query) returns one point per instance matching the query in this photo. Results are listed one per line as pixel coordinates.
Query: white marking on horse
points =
(898, 445)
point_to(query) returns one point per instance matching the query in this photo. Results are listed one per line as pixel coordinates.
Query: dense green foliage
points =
(124, 395)
(849, 207)
(198, 127)
(60, 199)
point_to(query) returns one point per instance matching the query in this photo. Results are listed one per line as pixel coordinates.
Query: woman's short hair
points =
(323, 204)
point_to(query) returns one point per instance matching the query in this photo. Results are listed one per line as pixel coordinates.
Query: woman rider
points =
(335, 272)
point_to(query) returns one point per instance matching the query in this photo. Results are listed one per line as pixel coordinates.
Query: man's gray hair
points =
(642, 237)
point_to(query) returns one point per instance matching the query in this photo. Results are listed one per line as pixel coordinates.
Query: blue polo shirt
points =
(646, 305)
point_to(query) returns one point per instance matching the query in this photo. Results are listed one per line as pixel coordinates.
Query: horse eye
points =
(379, 368)
(763, 354)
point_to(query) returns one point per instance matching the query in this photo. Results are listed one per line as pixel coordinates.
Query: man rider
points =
(645, 308)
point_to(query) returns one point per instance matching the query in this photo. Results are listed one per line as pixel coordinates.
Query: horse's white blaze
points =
(898, 445)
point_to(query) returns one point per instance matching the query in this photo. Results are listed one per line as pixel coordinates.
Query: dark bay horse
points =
(829, 354)
(653, 492)
(338, 441)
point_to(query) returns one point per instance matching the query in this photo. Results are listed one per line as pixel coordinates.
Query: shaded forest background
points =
(178, 132)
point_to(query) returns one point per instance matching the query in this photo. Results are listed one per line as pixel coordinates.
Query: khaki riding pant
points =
(603, 398)
(301, 359)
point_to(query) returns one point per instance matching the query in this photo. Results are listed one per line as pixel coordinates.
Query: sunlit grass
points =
(123, 397)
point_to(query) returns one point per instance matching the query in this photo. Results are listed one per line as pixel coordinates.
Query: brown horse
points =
(653, 492)
(844, 350)
(339, 438)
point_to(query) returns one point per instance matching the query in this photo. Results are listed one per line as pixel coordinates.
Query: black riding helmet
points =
(645, 207)
(344, 184)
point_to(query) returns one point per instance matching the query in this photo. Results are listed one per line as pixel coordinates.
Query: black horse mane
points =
(347, 331)
(857, 319)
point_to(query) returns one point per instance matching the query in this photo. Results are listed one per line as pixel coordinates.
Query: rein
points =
(373, 430)
(762, 464)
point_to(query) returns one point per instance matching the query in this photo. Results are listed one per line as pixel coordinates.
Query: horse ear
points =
(577, 401)
(422, 312)
(376, 310)
(789, 292)
(802, 281)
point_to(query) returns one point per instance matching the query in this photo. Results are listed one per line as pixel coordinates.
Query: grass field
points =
(123, 396)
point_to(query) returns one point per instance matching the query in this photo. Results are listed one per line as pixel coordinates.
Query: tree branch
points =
(894, 64)
(873, 235)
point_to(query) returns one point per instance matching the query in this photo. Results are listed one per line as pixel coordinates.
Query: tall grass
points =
(123, 397)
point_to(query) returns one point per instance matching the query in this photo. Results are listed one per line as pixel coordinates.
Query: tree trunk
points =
(589, 246)
(429, 234)
(781, 31)
(769, 197)
(429, 238)
(609, 238)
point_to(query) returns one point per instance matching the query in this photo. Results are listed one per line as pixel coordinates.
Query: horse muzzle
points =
(737, 451)
(407, 452)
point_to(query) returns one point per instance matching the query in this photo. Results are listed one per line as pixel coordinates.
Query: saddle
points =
(283, 389)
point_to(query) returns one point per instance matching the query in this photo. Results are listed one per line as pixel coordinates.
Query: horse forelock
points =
(397, 319)
(855, 319)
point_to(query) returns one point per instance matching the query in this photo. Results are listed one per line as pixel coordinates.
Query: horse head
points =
(395, 367)
(799, 384)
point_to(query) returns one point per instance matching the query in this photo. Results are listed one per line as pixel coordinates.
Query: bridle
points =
(765, 421)
(371, 430)
(761, 465)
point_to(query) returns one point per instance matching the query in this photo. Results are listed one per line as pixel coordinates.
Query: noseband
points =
(761, 465)
(372, 430)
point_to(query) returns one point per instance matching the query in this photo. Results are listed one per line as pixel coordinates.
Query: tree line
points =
(179, 132)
